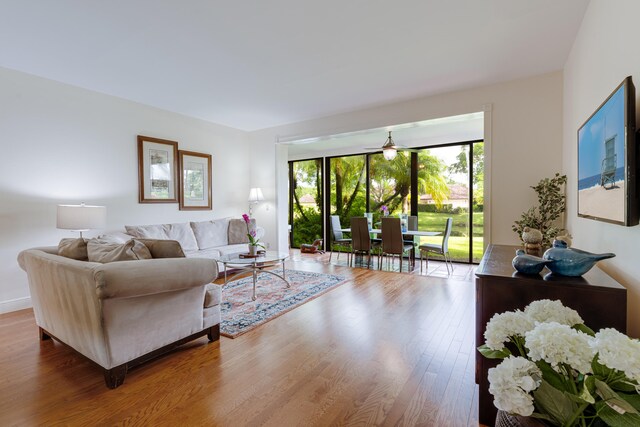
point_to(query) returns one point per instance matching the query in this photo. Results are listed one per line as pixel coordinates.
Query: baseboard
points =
(15, 304)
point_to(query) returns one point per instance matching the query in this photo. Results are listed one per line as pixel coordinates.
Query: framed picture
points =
(195, 181)
(157, 170)
(607, 160)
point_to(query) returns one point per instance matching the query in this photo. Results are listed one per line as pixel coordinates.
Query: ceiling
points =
(461, 128)
(257, 64)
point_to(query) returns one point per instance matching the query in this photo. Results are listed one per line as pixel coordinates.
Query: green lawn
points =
(459, 240)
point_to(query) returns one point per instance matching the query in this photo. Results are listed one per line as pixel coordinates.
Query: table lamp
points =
(255, 196)
(81, 217)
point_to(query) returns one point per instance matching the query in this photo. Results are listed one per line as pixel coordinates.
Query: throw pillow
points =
(181, 232)
(211, 234)
(238, 231)
(73, 248)
(104, 252)
(115, 237)
(163, 248)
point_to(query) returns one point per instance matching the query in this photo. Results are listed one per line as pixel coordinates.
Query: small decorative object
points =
(551, 204)
(385, 210)
(157, 170)
(404, 222)
(532, 239)
(564, 235)
(369, 217)
(314, 248)
(195, 180)
(570, 261)
(528, 264)
(254, 243)
(559, 371)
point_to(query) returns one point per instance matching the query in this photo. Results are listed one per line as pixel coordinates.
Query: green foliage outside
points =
(390, 186)
(459, 239)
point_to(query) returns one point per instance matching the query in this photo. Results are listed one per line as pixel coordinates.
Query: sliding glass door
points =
(456, 193)
(305, 201)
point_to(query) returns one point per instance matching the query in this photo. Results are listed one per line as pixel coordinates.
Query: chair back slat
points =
(335, 227)
(447, 233)
(360, 239)
(392, 236)
(412, 223)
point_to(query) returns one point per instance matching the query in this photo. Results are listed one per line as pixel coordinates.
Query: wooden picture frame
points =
(157, 170)
(195, 180)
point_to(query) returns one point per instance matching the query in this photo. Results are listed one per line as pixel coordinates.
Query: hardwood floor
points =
(383, 349)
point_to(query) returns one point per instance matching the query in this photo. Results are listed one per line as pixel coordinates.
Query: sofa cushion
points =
(238, 230)
(212, 253)
(100, 251)
(73, 248)
(163, 248)
(181, 232)
(210, 234)
(213, 295)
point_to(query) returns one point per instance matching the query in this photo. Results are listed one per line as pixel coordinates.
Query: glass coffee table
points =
(254, 265)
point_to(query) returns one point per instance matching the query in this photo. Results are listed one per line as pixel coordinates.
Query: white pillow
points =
(116, 237)
(211, 234)
(181, 232)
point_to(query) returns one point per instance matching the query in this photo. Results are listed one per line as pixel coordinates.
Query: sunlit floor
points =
(432, 268)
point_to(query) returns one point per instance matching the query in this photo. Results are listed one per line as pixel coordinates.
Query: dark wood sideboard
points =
(600, 300)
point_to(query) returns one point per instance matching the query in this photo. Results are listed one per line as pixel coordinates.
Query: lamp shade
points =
(81, 217)
(255, 195)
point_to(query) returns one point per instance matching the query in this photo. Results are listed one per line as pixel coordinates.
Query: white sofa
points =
(205, 239)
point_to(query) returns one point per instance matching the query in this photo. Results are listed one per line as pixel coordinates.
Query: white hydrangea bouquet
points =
(558, 370)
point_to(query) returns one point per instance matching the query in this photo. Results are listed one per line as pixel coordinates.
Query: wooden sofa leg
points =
(114, 377)
(43, 334)
(214, 333)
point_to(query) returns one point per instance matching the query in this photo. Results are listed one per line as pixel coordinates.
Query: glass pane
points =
(307, 201)
(390, 185)
(348, 191)
(443, 179)
(478, 200)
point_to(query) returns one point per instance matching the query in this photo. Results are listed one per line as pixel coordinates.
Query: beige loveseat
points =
(122, 313)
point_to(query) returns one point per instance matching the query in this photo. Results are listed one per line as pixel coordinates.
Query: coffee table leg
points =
(254, 283)
(284, 276)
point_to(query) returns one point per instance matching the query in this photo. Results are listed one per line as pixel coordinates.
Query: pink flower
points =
(253, 233)
(246, 218)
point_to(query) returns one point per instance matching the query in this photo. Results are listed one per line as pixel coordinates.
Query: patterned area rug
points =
(240, 314)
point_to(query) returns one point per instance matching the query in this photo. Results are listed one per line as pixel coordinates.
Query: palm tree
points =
(392, 180)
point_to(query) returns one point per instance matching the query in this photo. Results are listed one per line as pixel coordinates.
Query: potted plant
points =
(254, 242)
(551, 204)
(557, 370)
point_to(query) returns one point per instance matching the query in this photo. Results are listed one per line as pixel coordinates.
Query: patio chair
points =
(392, 243)
(361, 241)
(441, 249)
(339, 242)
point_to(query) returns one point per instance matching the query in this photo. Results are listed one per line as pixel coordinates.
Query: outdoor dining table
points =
(406, 232)
(414, 233)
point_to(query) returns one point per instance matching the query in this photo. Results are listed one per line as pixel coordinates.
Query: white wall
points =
(603, 54)
(524, 125)
(62, 144)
